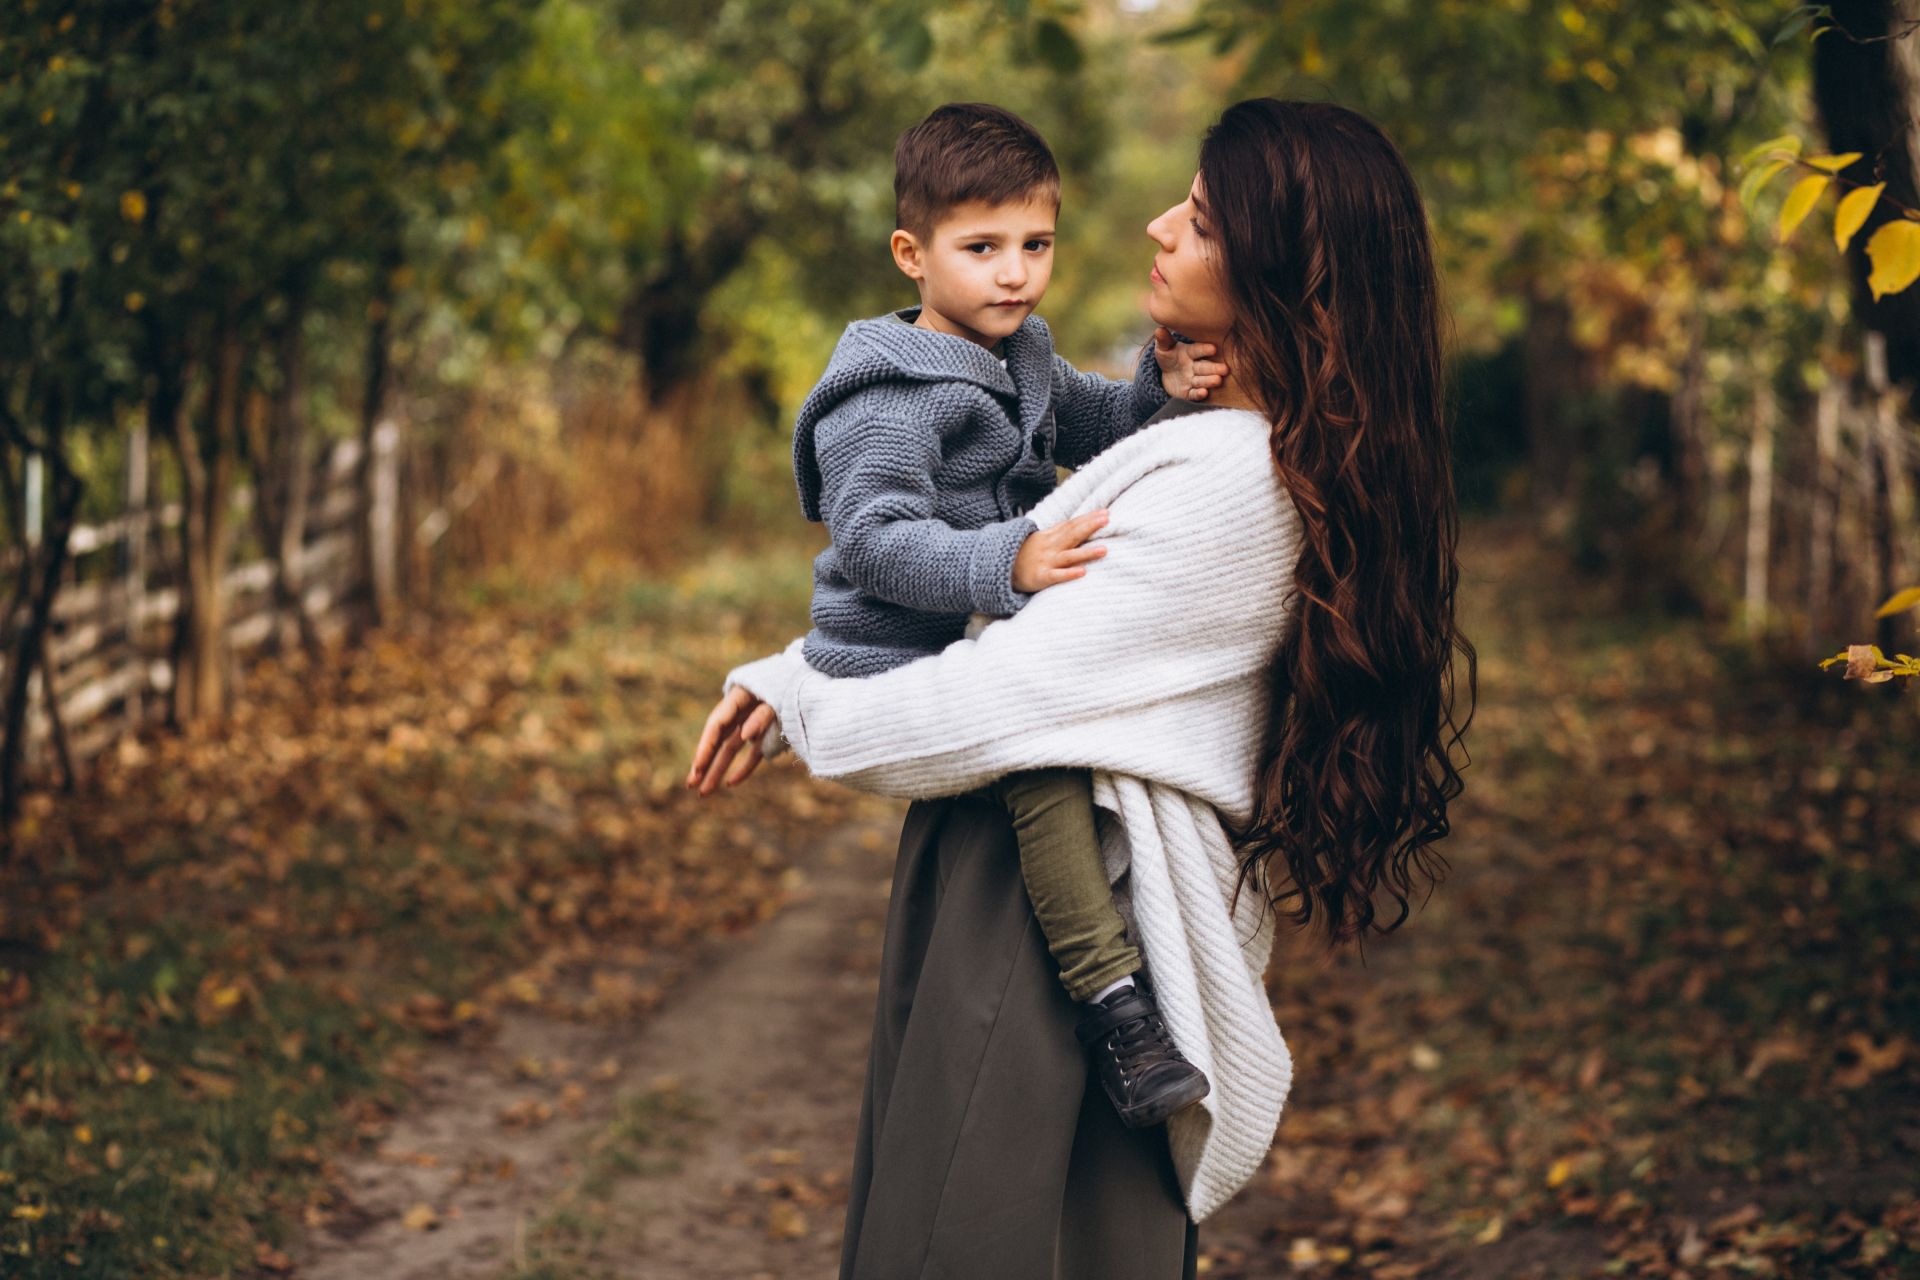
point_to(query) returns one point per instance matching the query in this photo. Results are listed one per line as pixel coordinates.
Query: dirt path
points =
(685, 1145)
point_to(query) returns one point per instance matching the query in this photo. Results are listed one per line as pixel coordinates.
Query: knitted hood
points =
(884, 351)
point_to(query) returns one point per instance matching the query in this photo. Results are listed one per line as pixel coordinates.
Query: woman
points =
(1259, 673)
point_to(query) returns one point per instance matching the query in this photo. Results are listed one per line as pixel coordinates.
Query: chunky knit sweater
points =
(922, 453)
(1152, 672)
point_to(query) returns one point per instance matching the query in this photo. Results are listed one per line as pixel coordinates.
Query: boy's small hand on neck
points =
(1185, 371)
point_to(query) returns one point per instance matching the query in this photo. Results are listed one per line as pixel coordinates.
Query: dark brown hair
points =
(968, 151)
(1323, 248)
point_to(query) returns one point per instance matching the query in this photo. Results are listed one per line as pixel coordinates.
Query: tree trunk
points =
(373, 407)
(38, 581)
(1868, 90)
(1550, 369)
(1759, 513)
(283, 478)
(1825, 501)
(206, 457)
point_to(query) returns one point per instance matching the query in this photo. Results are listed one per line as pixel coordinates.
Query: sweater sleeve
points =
(877, 499)
(1093, 413)
(1096, 673)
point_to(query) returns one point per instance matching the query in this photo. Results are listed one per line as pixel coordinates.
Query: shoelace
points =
(1137, 1040)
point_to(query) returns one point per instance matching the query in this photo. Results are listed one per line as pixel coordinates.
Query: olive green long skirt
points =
(986, 1150)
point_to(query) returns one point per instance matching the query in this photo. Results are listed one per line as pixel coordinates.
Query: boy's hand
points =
(1055, 555)
(1183, 371)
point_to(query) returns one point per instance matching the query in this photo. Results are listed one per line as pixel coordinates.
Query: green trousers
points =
(1052, 812)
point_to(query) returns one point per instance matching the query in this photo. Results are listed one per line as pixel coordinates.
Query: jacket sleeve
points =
(1092, 413)
(1155, 644)
(877, 500)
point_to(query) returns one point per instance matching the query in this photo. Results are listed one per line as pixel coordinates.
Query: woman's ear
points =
(906, 254)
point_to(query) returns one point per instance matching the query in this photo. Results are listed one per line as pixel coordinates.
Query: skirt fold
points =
(984, 1150)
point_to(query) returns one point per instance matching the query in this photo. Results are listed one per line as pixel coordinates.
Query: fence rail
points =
(107, 648)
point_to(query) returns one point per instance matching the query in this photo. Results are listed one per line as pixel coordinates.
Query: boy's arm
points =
(1092, 413)
(877, 500)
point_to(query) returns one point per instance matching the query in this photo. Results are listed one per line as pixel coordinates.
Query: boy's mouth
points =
(1011, 302)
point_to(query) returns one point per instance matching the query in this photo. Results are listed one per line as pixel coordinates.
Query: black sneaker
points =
(1146, 1078)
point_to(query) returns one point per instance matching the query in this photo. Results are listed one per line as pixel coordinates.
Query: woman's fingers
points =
(743, 767)
(719, 723)
(758, 722)
(717, 767)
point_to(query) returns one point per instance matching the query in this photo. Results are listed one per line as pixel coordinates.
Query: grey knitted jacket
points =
(922, 454)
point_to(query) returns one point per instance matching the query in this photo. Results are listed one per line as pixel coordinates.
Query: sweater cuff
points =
(1149, 392)
(990, 571)
(772, 680)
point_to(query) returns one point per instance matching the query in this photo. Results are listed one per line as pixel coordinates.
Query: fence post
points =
(133, 569)
(383, 519)
(36, 478)
(1759, 513)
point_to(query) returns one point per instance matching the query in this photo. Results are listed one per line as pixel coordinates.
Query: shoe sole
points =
(1165, 1108)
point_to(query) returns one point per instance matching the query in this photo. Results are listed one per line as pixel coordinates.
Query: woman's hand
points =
(732, 737)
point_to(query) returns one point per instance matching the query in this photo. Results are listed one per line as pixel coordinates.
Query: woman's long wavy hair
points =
(1322, 245)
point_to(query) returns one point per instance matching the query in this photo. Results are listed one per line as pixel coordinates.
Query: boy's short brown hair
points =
(968, 151)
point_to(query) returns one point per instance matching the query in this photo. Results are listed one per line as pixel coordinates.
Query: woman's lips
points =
(1156, 277)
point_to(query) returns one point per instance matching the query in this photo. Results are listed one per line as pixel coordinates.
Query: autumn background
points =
(395, 400)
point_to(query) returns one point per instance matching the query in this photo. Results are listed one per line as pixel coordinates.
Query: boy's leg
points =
(1052, 811)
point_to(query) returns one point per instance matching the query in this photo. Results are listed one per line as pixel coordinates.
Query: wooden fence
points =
(111, 627)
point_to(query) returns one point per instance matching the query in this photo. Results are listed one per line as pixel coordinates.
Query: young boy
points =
(931, 432)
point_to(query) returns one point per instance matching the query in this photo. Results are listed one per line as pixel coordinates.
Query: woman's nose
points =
(1160, 231)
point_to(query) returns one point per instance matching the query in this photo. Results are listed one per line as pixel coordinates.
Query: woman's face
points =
(1188, 296)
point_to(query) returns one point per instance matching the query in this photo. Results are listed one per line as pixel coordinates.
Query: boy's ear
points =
(906, 254)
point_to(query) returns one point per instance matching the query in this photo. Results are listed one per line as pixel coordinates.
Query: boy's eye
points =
(984, 246)
(1039, 246)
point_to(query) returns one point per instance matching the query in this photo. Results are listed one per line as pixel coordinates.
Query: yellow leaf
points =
(133, 206)
(1832, 164)
(1899, 602)
(1562, 1170)
(30, 1212)
(82, 1134)
(1894, 251)
(421, 1218)
(1491, 1232)
(1853, 211)
(1800, 202)
(1785, 142)
(1751, 184)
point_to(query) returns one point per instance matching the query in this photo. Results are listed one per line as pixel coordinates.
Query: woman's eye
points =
(1197, 228)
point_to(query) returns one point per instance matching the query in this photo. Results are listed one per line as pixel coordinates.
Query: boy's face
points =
(983, 268)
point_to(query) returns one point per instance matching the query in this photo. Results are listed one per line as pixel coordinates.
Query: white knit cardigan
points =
(1151, 672)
